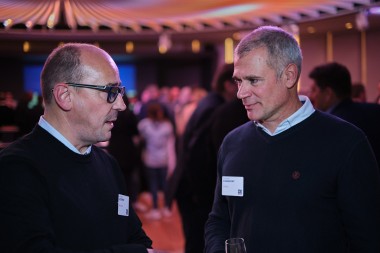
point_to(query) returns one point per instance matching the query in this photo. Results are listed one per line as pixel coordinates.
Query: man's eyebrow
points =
(253, 77)
(249, 77)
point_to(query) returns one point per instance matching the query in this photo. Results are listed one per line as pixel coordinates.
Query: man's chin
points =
(106, 137)
(253, 117)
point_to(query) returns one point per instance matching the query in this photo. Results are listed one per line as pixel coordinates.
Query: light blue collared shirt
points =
(51, 130)
(301, 114)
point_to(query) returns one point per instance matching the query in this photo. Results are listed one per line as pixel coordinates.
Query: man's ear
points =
(290, 75)
(62, 96)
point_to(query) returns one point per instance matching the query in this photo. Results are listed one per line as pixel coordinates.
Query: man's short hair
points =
(333, 75)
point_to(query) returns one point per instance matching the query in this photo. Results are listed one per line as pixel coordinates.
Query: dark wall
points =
(169, 71)
(11, 75)
(164, 70)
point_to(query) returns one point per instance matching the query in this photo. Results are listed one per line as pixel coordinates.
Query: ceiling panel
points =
(140, 17)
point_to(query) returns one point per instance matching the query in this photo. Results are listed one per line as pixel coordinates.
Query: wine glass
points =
(235, 245)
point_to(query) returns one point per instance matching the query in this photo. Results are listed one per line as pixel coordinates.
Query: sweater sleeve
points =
(217, 228)
(138, 236)
(359, 199)
(25, 220)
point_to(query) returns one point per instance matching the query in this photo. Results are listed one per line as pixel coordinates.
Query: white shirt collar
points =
(50, 129)
(301, 114)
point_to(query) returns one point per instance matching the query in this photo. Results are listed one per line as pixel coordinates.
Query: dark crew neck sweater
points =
(313, 188)
(54, 200)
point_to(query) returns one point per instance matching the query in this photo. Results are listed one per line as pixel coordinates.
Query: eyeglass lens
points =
(114, 92)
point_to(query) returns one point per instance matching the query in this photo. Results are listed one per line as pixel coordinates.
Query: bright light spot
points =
(26, 46)
(228, 50)
(164, 43)
(374, 10)
(348, 26)
(50, 22)
(29, 24)
(129, 47)
(7, 22)
(311, 29)
(232, 10)
(196, 46)
(162, 49)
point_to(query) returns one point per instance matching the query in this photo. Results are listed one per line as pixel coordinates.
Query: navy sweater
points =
(54, 200)
(313, 188)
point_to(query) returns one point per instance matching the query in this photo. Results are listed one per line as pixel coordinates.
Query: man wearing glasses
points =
(59, 192)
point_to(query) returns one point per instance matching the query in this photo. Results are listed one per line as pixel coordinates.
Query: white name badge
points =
(123, 205)
(233, 186)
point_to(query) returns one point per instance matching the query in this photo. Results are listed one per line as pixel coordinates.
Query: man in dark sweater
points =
(293, 179)
(59, 192)
(331, 92)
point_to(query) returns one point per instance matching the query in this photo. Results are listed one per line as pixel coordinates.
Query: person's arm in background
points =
(171, 153)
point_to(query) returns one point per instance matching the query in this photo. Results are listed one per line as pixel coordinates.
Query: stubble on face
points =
(96, 114)
(259, 85)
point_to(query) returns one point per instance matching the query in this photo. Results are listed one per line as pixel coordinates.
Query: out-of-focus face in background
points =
(319, 97)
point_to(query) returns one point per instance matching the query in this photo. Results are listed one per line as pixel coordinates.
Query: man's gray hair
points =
(283, 49)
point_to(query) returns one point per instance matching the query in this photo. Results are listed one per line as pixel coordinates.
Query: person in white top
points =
(158, 154)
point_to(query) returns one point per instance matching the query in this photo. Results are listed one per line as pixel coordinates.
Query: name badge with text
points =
(123, 205)
(233, 186)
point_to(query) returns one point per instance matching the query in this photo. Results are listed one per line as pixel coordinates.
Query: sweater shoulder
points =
(318, 125)
(339, 126)
(26, 147)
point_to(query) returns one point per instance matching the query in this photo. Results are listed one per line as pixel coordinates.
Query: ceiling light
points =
(164, 43)
(50, 22)
(348, 25)
(26, 47)
(195, 46)
(374, 10)
(311, 29)
(129, 46)
(29, 24)
(228, 51)
(7, 22)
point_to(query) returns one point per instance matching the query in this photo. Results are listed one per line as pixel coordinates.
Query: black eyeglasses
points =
(112, 90)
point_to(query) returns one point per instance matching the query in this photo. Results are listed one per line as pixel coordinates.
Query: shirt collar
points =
(301, 114)
(50, 129)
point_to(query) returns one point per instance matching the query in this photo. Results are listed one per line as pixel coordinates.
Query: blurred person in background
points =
(151, 95)
(188, 101)
(358, 93)
(124, 146)
(377, 100)
(158, 155)
(193, 181)
(331, 92)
